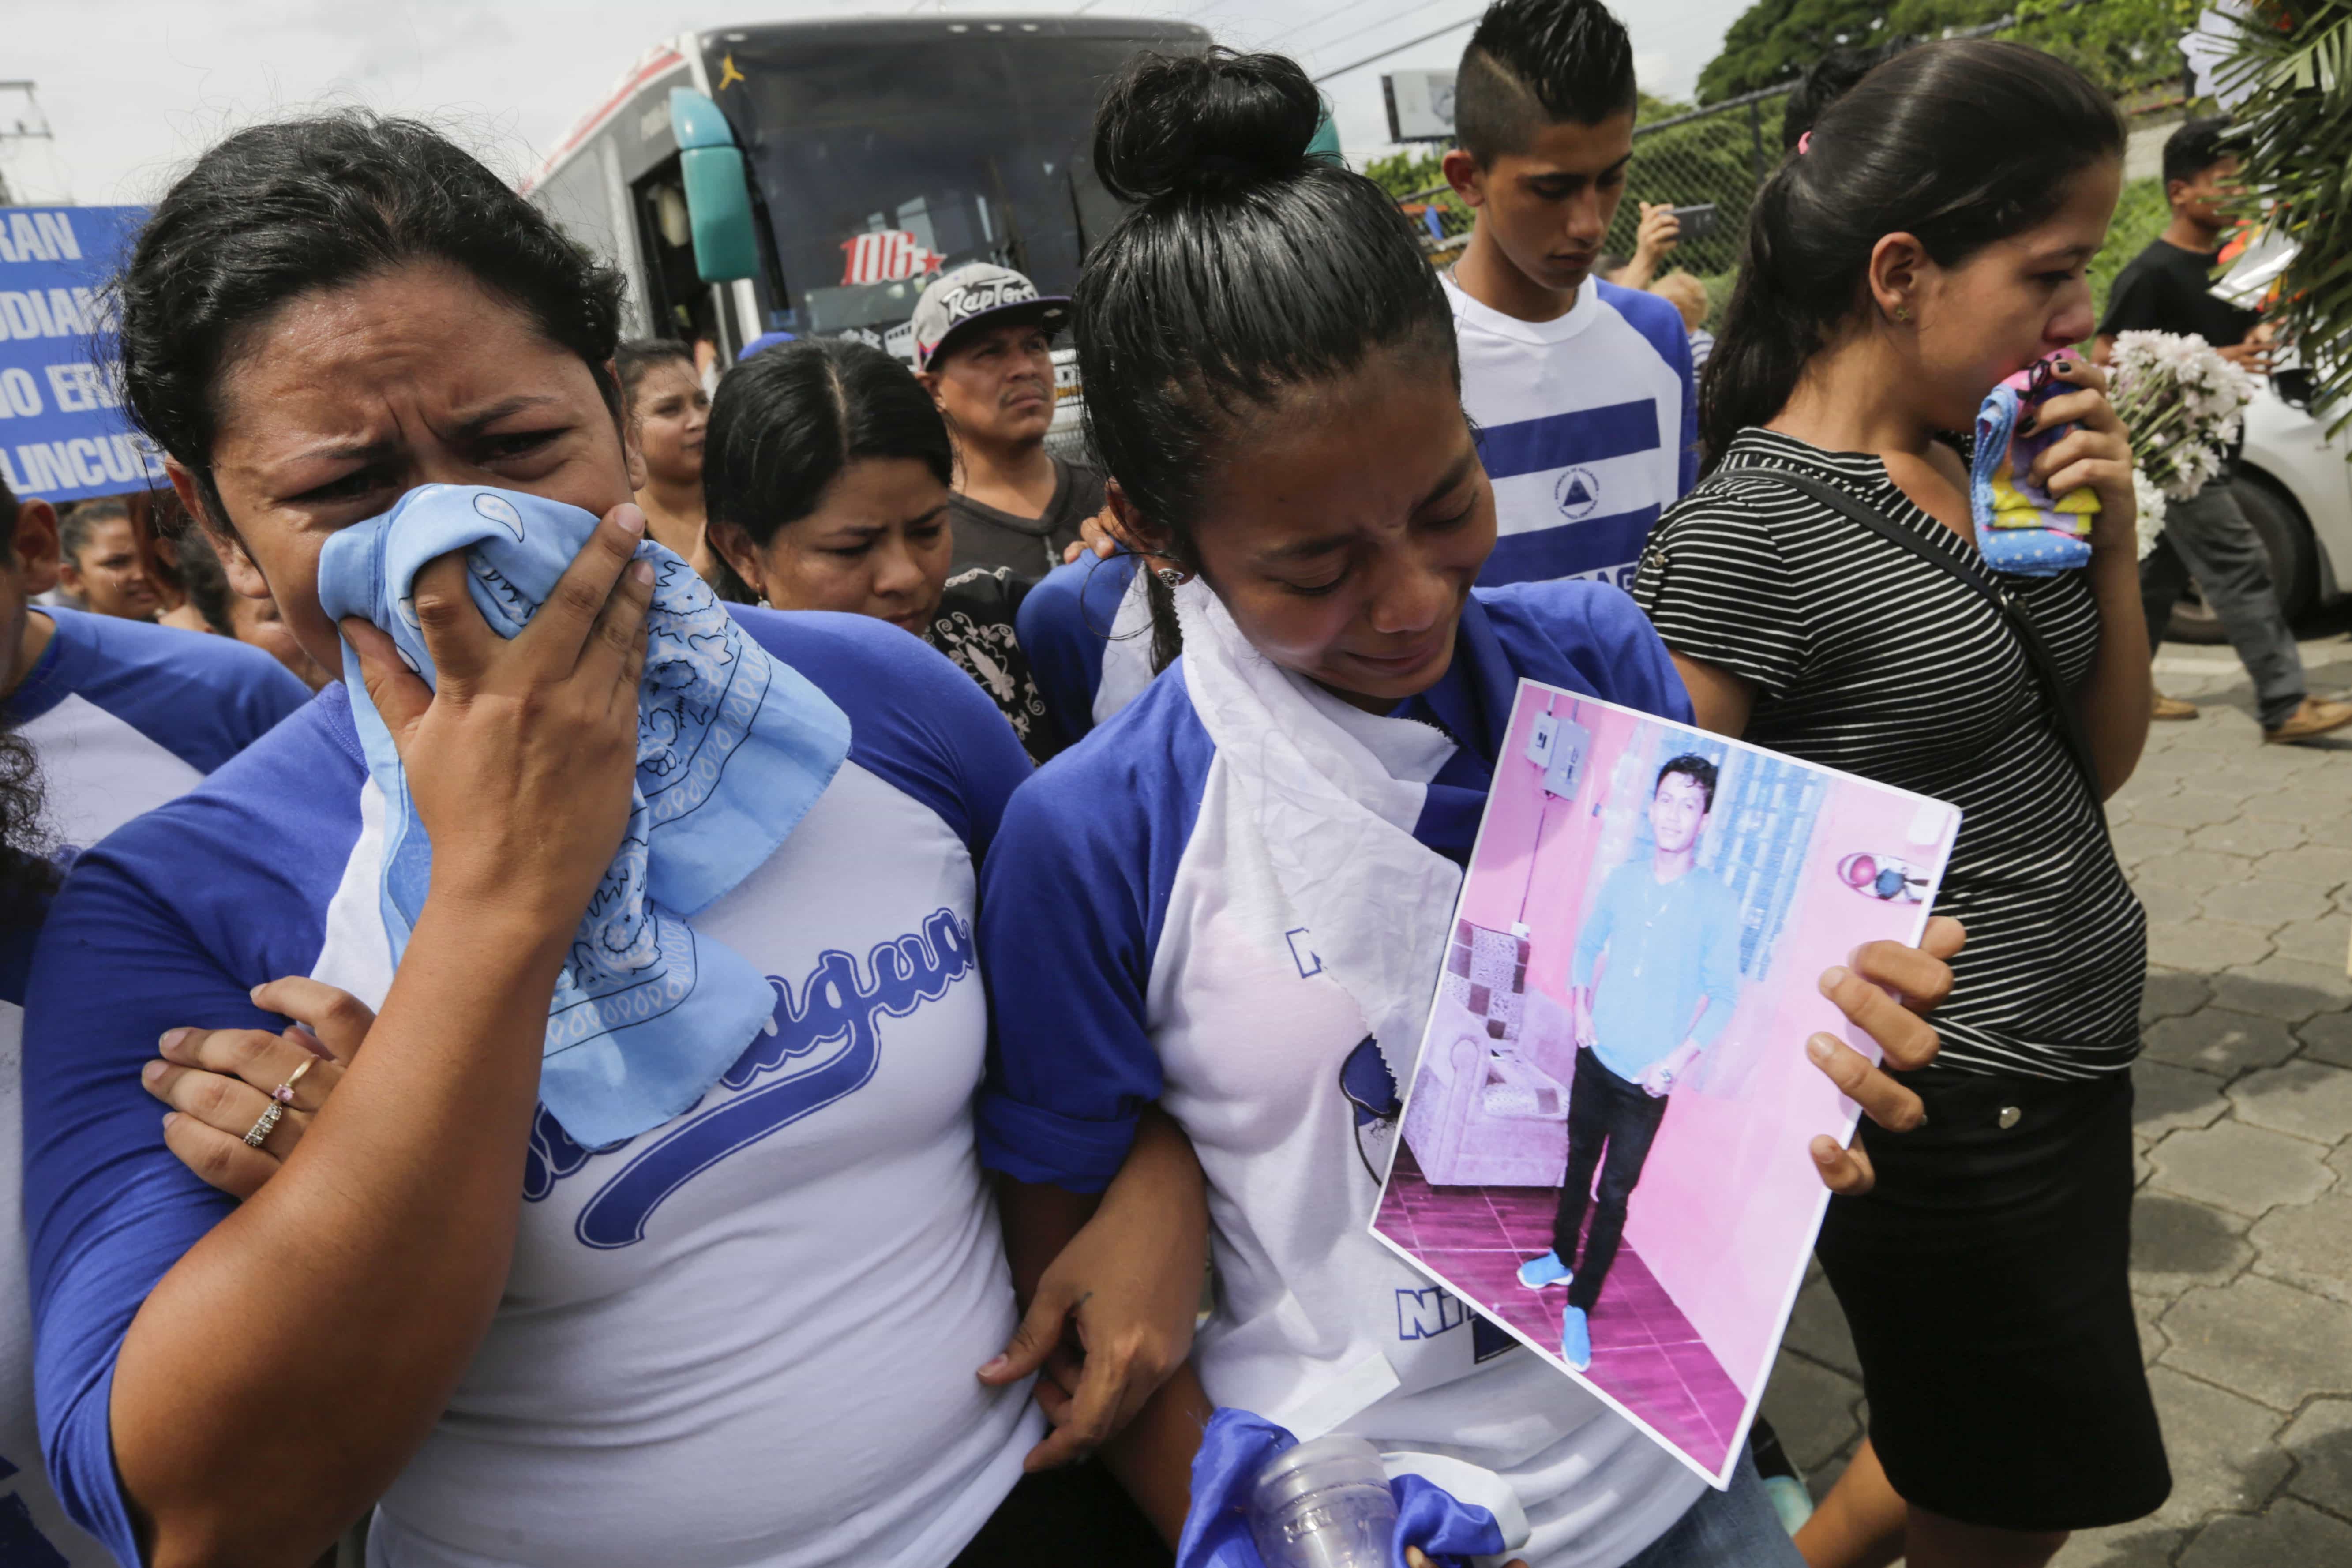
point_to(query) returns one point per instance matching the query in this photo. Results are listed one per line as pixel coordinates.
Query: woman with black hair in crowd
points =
(1824, 596)
(828, 485)
(744, 1335)
(1209, 901)
(671, 413)
(102, 568)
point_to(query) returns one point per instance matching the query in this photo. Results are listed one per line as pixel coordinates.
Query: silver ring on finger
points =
(258, 1133)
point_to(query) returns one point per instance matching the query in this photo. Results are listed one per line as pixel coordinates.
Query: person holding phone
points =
(1654, 239)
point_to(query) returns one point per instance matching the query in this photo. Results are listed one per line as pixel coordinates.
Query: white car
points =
(2295, 482)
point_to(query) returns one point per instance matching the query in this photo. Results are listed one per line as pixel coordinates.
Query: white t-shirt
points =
(122, 716)
(1588, 427)
(1140, 949)
(745, 1338)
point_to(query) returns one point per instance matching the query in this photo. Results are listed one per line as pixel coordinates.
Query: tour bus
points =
(810, 177)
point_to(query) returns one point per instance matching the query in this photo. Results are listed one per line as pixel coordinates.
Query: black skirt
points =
(1985, 1279)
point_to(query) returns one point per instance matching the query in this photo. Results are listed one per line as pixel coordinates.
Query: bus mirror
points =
(718, 207)
(718, 195)
(696, 120)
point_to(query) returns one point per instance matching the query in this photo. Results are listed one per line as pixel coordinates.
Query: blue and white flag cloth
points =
(733, 748)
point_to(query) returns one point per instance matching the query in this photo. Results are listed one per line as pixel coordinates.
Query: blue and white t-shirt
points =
(122, 716)
(1086, 628)
(1140, 949)
(746, 1338)
(34, 1530)
(1588, 424)
(126, 715)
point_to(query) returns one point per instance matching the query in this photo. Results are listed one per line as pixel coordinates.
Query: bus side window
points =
(680, 302)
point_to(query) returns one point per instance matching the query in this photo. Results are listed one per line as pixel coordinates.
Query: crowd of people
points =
(916, 1275)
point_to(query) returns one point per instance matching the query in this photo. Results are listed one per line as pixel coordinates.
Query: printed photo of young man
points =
(1655, 979)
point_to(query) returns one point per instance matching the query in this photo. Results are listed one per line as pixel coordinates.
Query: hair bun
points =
(1205, 123)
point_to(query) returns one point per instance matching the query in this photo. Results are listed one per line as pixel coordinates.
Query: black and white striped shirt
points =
(1867, 659)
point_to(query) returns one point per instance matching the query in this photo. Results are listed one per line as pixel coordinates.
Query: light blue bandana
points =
(732, 750)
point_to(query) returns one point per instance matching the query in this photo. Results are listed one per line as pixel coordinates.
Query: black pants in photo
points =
(1611, 1124)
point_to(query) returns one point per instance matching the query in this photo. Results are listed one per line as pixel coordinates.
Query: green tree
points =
(1407, 172)
(2141, 214)
(1775, 41)
(2119, 44)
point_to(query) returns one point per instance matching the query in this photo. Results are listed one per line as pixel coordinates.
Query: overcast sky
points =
(131, 89)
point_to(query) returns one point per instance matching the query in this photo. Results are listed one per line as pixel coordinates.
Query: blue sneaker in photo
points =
(1538, 1272)
(1575, 1338)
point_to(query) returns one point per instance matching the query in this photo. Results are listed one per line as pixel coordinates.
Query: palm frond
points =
(2296, 57)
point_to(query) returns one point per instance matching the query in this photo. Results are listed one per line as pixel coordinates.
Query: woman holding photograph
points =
(1824, 596)
(1232, 898)
(746, 1335)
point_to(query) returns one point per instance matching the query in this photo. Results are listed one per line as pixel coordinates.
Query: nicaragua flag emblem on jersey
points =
(1577, 492)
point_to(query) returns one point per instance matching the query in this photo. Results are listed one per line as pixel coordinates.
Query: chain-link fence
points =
(1717, 156)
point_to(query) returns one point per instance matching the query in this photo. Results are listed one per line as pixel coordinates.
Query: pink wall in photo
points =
(1517, 810)
(1729, 1197)
(1730, 1267)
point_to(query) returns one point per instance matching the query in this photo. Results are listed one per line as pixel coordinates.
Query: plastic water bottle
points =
(1324, 1504)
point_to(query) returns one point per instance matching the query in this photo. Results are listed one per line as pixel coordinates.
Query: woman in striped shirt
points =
(1824, 595)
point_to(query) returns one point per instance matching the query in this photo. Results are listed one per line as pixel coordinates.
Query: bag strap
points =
(2066, 718)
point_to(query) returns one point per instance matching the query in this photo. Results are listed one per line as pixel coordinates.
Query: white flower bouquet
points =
(2183, 404)
(2150, 521)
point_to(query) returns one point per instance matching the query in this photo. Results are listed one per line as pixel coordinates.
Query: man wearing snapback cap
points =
(983, 346)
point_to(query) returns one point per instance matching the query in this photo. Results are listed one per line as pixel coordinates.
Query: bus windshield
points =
(879, 162)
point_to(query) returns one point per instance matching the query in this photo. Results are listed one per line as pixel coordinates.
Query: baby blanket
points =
(2021, 527)
(733, 748)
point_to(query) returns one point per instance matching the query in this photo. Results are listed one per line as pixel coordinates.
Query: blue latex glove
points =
(1238, 1445)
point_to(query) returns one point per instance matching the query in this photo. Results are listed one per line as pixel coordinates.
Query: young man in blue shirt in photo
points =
(1583, 391)
(1664, 938)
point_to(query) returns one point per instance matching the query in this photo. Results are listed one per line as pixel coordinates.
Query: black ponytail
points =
(1960, 143)
(1246, 268)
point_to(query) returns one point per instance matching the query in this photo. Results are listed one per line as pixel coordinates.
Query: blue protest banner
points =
(62, 434)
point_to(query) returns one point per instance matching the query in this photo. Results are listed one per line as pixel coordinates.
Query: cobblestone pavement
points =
(2241, 1233)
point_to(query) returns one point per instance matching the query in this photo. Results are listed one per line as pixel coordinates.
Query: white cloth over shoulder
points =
(733, 747)
(1337, 828)
(1126, 652)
